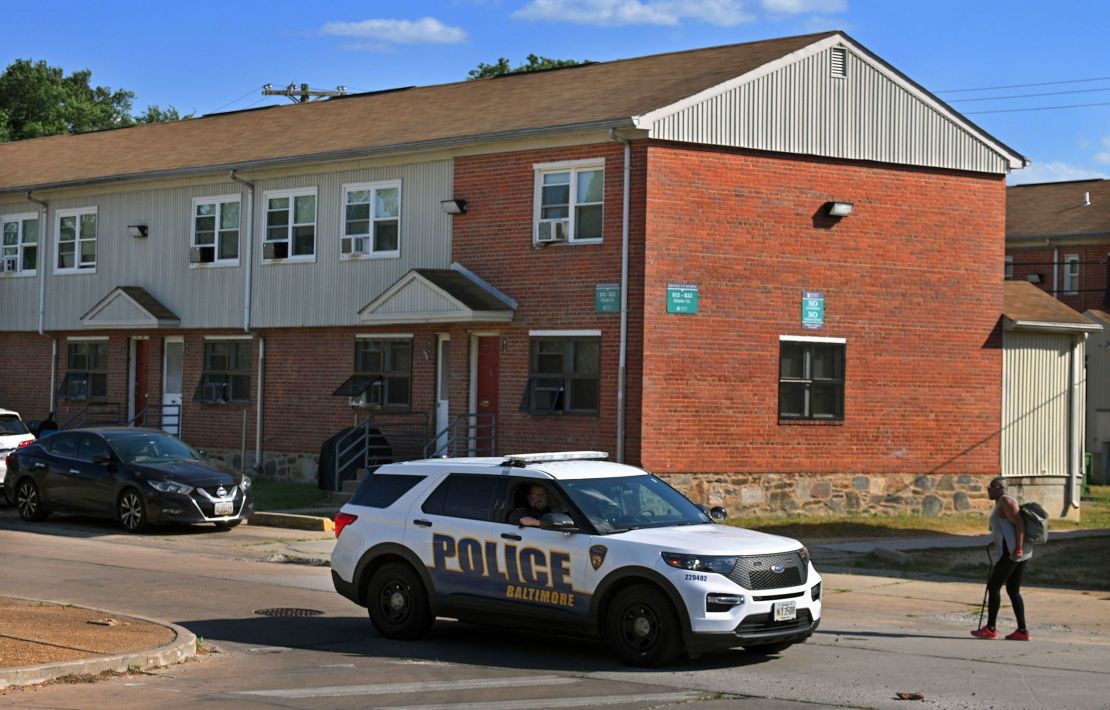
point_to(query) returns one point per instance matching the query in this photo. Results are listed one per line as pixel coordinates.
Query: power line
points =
(1026, 96)
(234, 101)
(1034, 108)
(1023, 86)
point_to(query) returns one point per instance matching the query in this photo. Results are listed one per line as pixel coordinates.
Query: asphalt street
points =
(880, 636)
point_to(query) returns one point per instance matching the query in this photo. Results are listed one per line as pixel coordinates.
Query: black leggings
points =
(1007, 572)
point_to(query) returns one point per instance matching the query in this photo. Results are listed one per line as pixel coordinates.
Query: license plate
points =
(228, 507)
(785, 611)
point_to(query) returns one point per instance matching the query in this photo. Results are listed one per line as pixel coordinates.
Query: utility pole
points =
(300, 94)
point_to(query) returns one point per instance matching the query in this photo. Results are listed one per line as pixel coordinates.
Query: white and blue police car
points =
(617, 553)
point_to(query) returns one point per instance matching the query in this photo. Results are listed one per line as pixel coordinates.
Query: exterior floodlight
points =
(456, 206)
(838, 209)
(138, 231)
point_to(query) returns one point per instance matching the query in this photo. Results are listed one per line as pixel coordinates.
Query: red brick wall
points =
(1093, 269)
(555, 287)
(25, 374)
(912, 279)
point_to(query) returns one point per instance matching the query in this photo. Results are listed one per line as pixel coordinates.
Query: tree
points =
(535, 63)
(40, 100)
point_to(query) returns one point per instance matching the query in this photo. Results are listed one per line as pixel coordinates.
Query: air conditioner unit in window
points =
(354, 245)
(273, 250)
(551, 231)
(10, 263)
(202, 255)
(358, 402)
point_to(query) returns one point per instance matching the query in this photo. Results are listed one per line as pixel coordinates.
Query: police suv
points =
(617, 553)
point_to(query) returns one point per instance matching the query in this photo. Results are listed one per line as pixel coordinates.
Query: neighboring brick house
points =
(769, 271)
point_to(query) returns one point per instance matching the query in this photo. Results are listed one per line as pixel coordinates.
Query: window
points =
(383, 372)
(371, 219)
(463, 496)
(290, 225)
(227, 373)
(215, 230)
(811, 379)
(569, 200)
(563, 376)
(1009, 272)
(1071, 274)
(383, 490)
(19, 244)
(76, 240)
(86, 371)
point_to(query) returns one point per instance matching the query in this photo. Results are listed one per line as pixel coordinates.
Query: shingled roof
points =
(1027, 307)
(1058, 209)
(592, 95)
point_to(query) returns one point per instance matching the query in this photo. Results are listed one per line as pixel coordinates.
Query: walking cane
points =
(986, 588)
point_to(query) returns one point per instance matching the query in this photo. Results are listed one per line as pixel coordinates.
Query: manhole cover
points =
(288, 611)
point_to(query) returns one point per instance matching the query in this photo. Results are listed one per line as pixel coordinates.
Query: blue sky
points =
(202, 56)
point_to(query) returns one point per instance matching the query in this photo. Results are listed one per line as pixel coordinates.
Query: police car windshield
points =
(631, 502)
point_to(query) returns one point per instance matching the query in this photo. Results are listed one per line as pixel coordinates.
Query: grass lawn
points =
(271, 496)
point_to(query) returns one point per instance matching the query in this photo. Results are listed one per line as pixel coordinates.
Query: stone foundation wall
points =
(276, 466)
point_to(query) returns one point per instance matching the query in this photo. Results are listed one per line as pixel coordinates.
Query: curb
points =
(291, 520)
(180, 649)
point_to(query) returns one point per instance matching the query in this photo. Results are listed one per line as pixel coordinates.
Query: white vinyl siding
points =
(75, 241)
(290, 225)
(215, 231)
(19, 244)
(371, 220)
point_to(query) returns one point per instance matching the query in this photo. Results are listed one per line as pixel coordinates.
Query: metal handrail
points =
(405, 435)
(162, 412)
(477, 430)
(88, 414)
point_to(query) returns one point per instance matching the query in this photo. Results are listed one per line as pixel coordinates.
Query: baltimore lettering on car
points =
(618, 554)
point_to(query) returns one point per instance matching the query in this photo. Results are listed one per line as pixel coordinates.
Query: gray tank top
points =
(1003, 531)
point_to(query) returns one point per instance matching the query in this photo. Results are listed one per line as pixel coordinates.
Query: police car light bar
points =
(525, 459)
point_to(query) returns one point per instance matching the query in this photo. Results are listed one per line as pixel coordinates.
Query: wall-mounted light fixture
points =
(1034, 278)
(139, 231)
(455, 206)
(838, 209)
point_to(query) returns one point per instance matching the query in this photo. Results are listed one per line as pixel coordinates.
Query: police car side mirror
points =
(558, 521)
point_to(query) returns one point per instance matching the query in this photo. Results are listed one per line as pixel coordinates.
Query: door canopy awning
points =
(129, 307)
(452, 295)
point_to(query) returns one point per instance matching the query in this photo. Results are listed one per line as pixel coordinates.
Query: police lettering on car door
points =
(518, 572)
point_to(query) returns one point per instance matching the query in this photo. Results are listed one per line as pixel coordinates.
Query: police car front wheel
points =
(397, 602)
(643, 627)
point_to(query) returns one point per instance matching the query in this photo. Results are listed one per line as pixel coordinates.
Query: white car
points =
(618, 553)
(12, 435)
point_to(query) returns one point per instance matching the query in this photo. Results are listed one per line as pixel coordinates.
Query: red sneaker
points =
(985, 633)
(1020, 635)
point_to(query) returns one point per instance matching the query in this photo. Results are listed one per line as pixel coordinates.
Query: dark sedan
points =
(136, 476)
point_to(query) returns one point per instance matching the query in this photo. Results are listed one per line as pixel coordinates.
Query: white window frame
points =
(292, 195)
(77, 212)
(219, 201)
(1071, 280)
(20, 245)
(573, 167)
(370, 252)
(1008, 271)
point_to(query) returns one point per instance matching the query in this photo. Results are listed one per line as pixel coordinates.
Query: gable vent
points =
(838, 55)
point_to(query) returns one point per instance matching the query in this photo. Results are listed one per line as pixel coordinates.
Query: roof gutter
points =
(1055, 237)
(333, 155)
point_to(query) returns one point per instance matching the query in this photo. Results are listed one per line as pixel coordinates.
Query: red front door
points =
(489, 360)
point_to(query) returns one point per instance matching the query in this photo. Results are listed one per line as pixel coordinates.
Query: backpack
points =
(1036, 523)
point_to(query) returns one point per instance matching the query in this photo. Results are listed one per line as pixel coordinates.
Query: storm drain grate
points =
(288, 611)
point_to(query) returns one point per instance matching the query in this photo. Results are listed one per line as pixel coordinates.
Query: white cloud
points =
(802, 7)
(1055, 171)
(377, 34)
(1103, 156)
(611, 13)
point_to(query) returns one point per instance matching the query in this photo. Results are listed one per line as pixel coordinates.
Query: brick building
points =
(769, 271)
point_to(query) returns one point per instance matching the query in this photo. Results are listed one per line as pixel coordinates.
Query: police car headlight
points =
(804, 554)
(171, 487)
(700, 563)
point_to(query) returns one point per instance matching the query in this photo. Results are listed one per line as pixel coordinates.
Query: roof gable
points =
(129, 307)
(438, 296)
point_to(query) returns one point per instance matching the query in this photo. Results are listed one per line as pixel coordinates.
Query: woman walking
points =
(1008, 533)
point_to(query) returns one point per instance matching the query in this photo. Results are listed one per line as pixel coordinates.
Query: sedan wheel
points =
(132, 510)
(28, 501)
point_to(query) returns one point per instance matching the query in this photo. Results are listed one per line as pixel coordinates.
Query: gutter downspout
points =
(623, 358)
(248, 288)
(1075, 448)
(44, 232)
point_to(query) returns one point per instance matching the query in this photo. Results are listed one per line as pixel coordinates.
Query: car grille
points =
(754, 571)
(229, 489)
(765, 622)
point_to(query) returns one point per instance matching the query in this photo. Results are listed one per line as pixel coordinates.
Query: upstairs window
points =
(564, 376)
(569, 199)
(290, 225)
(811, 379)
(86, 377)
(227, 373)
(19, 244)
(215, 230)
(371, 220)
(1071, 274)
(1009, 269)
(76, 240)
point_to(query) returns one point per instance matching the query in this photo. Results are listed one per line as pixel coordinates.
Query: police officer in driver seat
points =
(535, 507)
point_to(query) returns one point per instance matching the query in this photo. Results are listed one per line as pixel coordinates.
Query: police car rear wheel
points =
(397, 603)
(643, 628)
